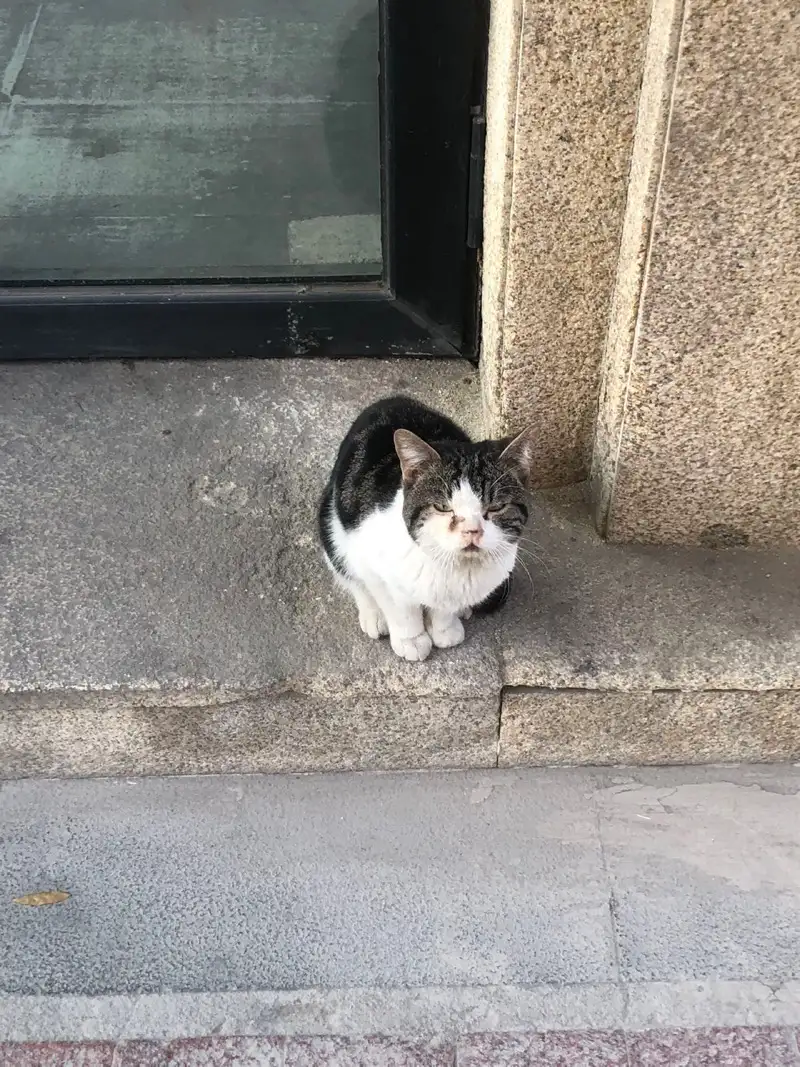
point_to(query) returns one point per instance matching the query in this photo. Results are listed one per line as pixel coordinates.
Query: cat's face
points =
(465, 505)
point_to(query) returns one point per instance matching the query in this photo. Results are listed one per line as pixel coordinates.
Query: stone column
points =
(698, 434)
(563, 88)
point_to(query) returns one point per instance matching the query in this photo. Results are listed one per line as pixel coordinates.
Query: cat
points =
(420, 524)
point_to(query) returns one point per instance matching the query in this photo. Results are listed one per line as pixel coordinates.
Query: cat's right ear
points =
(414, 455)
(518, 453)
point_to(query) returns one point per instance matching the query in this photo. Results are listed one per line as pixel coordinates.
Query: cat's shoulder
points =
(401, 412)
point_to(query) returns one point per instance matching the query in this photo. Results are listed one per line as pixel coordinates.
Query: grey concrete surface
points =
(562, 895)
(285, 883)
(185, 139)
(160, 552)
(422, 1011)
(633, 617)
(163, 608)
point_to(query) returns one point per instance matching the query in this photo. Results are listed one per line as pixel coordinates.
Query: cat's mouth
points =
(471, 549)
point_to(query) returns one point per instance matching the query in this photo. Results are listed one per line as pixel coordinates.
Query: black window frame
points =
(433, 62)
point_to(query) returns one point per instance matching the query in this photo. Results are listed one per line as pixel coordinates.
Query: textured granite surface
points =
(371, 1052)
(708, 449)
(563, 90)
(652, 120)
(137, 733)
(163, 608)
(521, 1050)
(641, 618)
(541, 727)
(161, 591)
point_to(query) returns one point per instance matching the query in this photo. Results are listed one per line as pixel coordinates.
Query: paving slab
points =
(543, 727)
(673, 844)
(286, 882)
(644, 618)
(617, 654)
(411, 905)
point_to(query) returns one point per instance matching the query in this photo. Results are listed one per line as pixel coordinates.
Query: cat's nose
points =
(472, 533)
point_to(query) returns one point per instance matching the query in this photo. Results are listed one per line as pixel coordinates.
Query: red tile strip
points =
(596, 1049)
(712, 1048)
(734, 1047)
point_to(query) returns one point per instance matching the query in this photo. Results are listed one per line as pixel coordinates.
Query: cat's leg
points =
(465, 613)
(445, 628)
(407, 633)
(370, 617)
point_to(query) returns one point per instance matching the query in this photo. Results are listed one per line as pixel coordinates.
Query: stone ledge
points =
(290, 732)
(163, 608)
(578, 727)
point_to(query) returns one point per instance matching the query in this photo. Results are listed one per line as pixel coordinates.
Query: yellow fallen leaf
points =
(39, 900)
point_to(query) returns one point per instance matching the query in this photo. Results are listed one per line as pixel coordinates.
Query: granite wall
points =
(642, 259)
(698, 434)
(563, 90)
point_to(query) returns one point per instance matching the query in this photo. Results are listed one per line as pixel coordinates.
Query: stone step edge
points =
(89, 733)
(212, 695)
(444, 1012)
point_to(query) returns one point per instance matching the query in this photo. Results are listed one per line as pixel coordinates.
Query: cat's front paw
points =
(412, 648)
(465, 614)
(446, 633)
(373, 623)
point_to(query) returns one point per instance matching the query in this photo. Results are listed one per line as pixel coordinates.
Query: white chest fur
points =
(381, 550)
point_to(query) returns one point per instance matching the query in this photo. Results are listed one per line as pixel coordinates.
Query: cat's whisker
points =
(537, 557)
(531, 545)
(530, 541)
(522, 564)
(497, 481)
(537, 563)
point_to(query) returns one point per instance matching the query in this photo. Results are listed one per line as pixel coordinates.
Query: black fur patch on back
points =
(366, 475)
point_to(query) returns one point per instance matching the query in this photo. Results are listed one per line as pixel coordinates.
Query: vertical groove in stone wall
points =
(663, 45)
(501, 104)
(563, 89)
(699, 432)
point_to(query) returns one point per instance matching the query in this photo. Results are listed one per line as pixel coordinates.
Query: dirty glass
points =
(189, 139)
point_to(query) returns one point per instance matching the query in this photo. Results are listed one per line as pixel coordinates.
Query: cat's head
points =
(465, 503)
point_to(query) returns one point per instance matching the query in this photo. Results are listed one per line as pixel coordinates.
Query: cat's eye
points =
(494, 510)
(443, 508)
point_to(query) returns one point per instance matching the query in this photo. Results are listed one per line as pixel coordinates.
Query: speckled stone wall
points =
(563, 89)
(698, 436)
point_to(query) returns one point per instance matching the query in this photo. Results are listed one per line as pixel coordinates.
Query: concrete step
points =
(409, 904)
(163, 609)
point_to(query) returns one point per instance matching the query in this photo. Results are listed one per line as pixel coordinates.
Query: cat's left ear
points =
(414, 455)
(519, 454)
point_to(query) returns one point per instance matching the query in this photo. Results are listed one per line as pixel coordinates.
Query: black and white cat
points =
(420, 524)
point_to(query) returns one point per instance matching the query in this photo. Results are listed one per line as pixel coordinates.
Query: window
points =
(207, 178)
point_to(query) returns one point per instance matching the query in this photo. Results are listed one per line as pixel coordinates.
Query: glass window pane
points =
(197, 139)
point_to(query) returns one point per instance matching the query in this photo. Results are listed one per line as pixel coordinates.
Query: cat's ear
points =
(518, 454)
(414, 455)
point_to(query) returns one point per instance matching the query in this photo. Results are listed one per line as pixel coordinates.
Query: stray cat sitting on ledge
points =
(421, 525)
